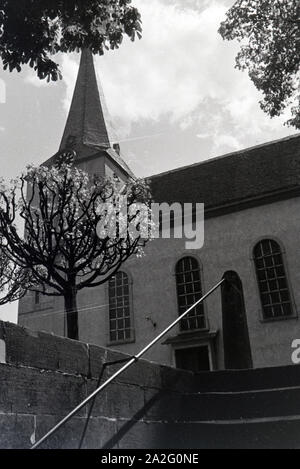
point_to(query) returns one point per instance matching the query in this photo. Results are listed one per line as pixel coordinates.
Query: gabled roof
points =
(117, 159)
(230, 182)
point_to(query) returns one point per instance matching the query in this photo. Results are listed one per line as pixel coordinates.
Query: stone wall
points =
(43, 377)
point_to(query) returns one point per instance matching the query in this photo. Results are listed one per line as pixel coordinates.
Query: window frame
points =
(207, 326)
(262, 317)
(131, 315)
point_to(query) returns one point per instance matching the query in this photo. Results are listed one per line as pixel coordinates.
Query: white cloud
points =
(2, 92)
(69, 69)
(203, 135)
(33, 80)
(164, 73)
(180, 66)
(226, 141)
(168, 71)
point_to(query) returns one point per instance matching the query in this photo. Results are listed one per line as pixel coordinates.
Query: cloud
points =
(181, 72)
(165, 72)
(2, 92)
(226, 141)
(33, 80)
(70, 69)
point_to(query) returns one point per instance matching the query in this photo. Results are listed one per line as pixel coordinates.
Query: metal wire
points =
(103, 368)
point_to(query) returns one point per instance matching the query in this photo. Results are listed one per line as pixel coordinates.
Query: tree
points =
(13, 280)
(31, 31)
(269, 32)
(63, 209)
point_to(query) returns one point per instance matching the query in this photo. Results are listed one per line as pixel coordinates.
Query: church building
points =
(252, 234)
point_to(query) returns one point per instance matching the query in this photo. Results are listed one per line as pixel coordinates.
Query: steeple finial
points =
(88, 121)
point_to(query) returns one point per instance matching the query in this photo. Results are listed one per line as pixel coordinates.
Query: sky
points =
(175, 97)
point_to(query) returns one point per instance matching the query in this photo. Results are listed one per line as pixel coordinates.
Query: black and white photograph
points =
(149, 228)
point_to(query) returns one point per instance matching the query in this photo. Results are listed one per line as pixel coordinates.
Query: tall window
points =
(120, 329)
(272, 281)
(189, 291)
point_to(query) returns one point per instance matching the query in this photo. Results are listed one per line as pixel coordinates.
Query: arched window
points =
(120, 328)
(189, 290)
(272, 281)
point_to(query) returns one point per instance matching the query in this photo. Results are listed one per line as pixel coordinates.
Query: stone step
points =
(280, 433)
(249, 380)
(242, 405)
(205, 407)
(268, 434)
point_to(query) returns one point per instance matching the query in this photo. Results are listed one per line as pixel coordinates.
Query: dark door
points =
(193, 359)
(237, 350)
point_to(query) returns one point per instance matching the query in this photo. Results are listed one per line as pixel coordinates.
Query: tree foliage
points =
(31, 31)
(13, 280)
(269, 32)
(61, 252)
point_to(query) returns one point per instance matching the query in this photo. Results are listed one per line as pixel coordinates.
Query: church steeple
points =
(89, 130)
(88, 122)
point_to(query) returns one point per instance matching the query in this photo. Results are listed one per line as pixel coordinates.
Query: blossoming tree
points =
(63, 250)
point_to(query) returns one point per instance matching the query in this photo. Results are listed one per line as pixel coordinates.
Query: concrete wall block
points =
(73, 356)
(160, 435)
(118, 401)
(24, 347)
(97, 357)
(163, 405)
(6, 382)
(141, 435)
(98, 434)
(177, 380)
(68, 437)
(44, 351)
(125, 401)
(141, 373)
(16, 431)
(30, 391)
(114, 356)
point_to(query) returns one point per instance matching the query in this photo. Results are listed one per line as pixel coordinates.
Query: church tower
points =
(89, 130)
(89, 133)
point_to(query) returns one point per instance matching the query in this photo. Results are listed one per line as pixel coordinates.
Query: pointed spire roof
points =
(88, 121)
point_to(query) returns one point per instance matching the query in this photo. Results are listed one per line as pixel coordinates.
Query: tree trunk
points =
(71, 313)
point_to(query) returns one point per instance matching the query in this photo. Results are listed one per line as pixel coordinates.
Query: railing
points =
(121, 370)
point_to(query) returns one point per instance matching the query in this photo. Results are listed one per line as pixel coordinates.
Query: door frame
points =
(206, 343)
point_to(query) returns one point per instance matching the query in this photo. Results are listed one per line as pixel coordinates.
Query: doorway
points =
(193, 358)
(237, 349)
